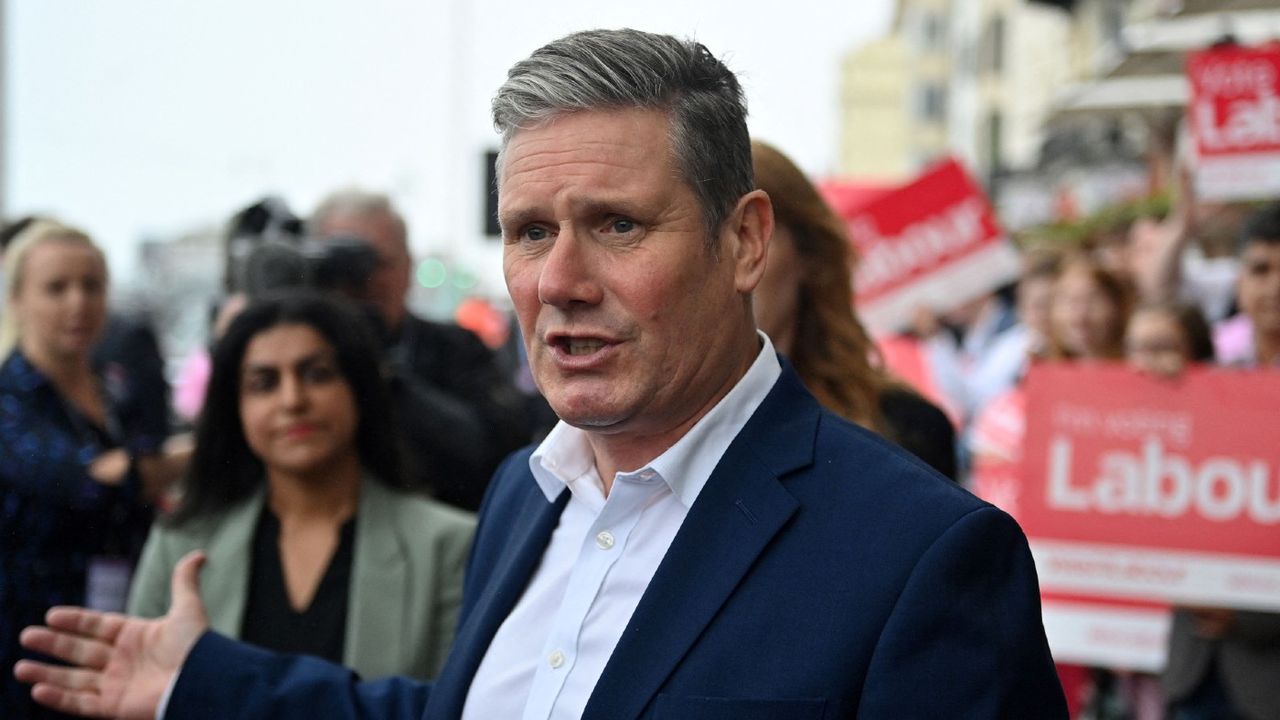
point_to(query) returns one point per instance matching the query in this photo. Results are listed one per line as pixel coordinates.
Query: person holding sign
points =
(1225, 663)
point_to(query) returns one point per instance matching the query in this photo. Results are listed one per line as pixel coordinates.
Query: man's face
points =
(632, 326)
(1258, 289)
(389, 282)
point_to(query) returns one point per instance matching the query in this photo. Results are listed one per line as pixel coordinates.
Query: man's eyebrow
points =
(516, 219)
(600, 208)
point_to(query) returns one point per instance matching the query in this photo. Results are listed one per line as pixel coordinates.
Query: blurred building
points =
(1059, 106)
(894, 96)
(1113, 127)
(973, 78)
(183, 281)
(876, 139)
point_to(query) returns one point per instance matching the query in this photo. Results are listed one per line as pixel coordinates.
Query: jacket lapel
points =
(532, 522)
(224, 581)
(376, 626)
(738, 513)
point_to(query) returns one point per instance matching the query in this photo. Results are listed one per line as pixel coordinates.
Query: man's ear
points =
(748, 229)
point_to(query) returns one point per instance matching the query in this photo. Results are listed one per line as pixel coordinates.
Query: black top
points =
(919, 427)
(271, 622)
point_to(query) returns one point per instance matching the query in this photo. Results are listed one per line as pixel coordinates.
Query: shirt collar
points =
(564, 458)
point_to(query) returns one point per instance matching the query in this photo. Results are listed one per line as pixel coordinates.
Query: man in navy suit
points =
(697, 538)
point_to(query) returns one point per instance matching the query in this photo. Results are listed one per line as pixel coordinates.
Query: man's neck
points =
(627, 451)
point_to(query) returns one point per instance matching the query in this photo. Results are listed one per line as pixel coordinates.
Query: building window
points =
(995, 159)
(997, 44)
(932, 102)
(993, 41)
(931, 32)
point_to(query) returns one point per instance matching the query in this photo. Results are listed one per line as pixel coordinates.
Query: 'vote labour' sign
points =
(933, 242)
(1234, 115)
(1147, 489)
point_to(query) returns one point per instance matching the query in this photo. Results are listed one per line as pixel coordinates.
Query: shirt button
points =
(555, 660)
(604, 539)
(647, 475)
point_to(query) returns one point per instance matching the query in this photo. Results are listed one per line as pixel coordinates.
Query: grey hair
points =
(602, 69)
(354, 201)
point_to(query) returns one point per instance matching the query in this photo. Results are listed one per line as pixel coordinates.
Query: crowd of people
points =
(696, 536)
(1137, 301)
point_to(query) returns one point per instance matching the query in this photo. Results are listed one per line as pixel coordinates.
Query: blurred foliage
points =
(1108, 224)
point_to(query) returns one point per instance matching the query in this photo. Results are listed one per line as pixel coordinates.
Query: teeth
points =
(583, 347)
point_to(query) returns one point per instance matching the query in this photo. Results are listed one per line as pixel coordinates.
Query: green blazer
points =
(406, 577)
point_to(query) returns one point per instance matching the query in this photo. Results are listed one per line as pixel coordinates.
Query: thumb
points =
(184, 589)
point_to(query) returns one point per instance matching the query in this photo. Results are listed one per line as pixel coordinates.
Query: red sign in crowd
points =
(1137, 492)
(1234, 115)
(933, 242)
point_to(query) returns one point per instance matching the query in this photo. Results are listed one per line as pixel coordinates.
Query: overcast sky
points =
(137, 118)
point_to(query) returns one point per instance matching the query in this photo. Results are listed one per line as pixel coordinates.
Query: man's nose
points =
(568, 273)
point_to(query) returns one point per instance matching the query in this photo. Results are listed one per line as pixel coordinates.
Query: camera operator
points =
(471, 415)
(447, 442)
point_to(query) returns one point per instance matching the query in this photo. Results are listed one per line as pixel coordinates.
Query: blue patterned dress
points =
(54, 518)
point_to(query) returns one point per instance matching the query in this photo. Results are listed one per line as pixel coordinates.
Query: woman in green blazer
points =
(295, 494)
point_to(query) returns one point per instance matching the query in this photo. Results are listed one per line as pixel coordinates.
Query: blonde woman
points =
(74, 505)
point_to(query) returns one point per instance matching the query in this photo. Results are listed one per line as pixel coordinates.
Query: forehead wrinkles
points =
(619, 139)
(549, 163)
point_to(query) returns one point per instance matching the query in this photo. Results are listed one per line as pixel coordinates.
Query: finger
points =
(84, 652)
(185, 585)
(30, 671)
(75, 702)
(87, 623)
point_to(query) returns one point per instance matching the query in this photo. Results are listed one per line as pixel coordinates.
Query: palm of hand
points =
(144, 658)
(120, 665)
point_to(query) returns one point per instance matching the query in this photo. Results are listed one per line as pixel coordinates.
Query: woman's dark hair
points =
(223, 468)
(1263, 226)
(1191, 320)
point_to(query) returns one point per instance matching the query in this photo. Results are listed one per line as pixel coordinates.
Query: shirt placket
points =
(601, 549)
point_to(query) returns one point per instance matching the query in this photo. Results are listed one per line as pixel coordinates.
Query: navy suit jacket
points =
(822, 573)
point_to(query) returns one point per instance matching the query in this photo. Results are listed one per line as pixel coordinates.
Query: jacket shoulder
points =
(856, 466)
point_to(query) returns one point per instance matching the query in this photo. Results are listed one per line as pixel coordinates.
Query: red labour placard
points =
(933, 242)
(1146, 489)
(1234, 115)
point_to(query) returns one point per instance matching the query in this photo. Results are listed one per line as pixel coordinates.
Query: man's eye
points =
(622, 226)
(536, 233)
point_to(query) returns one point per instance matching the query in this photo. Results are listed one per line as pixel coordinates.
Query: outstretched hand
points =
(121, 665)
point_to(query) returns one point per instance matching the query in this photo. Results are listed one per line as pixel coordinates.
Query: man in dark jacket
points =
(467, 414)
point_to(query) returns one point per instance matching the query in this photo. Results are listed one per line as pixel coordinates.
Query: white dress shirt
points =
(548, 654)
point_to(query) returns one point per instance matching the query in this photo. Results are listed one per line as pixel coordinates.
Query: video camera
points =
(269, 249)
